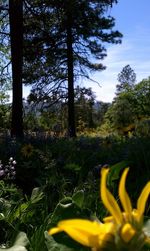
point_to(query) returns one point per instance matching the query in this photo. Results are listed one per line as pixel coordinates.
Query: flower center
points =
(127, 232)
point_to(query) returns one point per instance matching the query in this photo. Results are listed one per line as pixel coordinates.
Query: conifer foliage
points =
(63, 41)
(126, 78)
(53, 44)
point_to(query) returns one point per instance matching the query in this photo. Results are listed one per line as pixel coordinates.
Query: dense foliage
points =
(59, 178)
(130, 109)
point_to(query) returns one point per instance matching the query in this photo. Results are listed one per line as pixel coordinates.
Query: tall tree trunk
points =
(71, 112)
(16, 36)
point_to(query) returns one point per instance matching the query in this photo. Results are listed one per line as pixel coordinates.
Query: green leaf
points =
(63, 210)
(52, 245)
(37, 240)
(146, 229)
(2, 217)
(78, 198)
(115, 172)
(73, 167)
(20, 210)
(36, 195)
(20, 243)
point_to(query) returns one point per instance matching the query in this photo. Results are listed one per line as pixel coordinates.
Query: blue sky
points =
(133, 21)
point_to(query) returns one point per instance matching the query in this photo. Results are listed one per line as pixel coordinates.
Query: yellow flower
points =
(120, 230)
(27, 150)
(130, 221)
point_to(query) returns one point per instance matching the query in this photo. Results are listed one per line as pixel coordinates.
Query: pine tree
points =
(11, 47)
(126, 78)
(62, 40)
(16, 40)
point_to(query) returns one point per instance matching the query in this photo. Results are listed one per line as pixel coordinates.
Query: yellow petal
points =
(83, 237)
(90, 239)
(141, 203)
(85, 232)
(124, 198)
(135, 215)
(90, 226)
(108, 200)
(54, 230)
(108, 219)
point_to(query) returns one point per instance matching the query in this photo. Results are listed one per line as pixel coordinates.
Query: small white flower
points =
(14, 173)
(2, 172)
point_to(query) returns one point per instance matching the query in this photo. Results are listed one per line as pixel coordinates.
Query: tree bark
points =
(16, 37)
(71, 112)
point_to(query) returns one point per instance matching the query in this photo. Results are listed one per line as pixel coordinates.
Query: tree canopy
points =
(62, 41)
(126, 78)
(130, 107)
